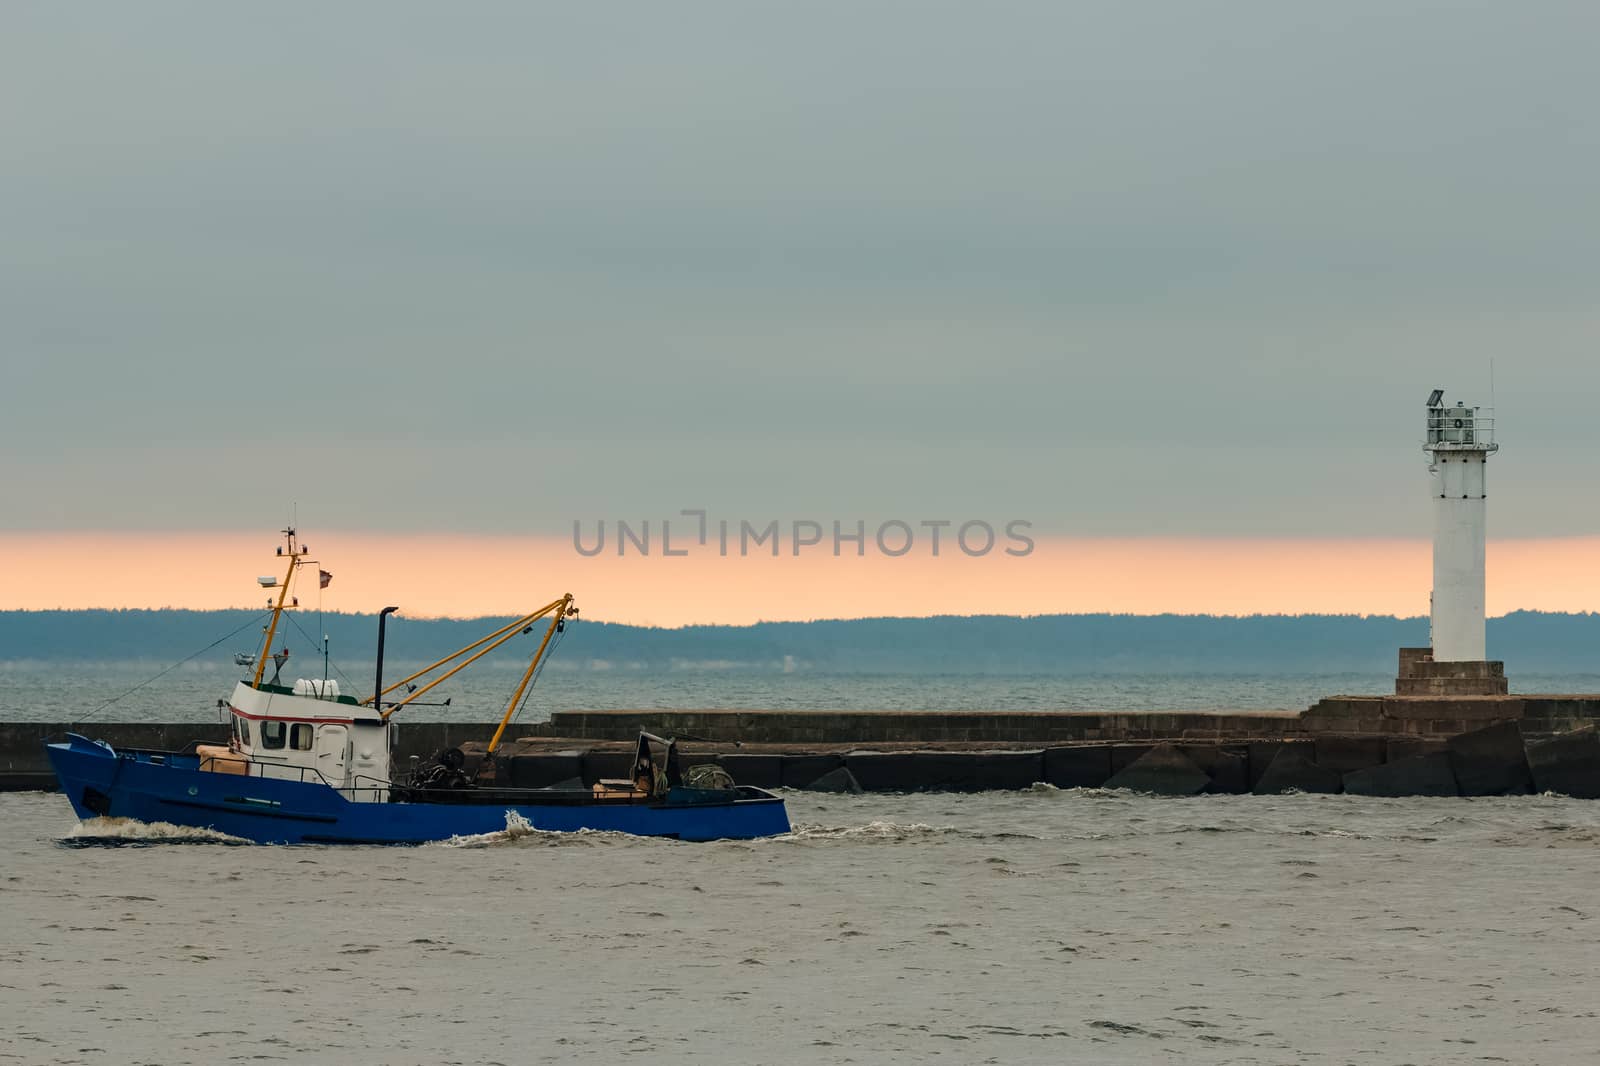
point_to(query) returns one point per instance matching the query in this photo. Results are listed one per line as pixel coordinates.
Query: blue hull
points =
(170, 787)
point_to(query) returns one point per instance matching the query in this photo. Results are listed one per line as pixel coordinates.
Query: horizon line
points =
(1027, 617)
(454, 576)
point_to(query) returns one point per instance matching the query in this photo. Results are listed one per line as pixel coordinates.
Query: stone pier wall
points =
(910, 727)
(1419, 675)
(1314, 750)
(1355, 715)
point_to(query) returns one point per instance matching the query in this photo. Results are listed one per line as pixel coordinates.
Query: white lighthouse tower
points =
(1459, 442)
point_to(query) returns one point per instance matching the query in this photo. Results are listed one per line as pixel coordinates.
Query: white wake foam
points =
(879, 831)
(519, 832)
(516, 828)
(133, 831)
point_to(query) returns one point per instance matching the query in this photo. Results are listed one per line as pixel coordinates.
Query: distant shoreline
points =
(1527, 641)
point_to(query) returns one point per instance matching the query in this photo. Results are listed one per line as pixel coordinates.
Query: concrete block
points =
(1338, 707)
(1343, 755)
(1398, 748)
(28, 782)
(839, 779)
(913, 771)
(1164, 770)
(800, 770)
(1491, 762)
(1008, 770)
(1227, 766)
(1125, 755)
(1230, 775)
(1410, 657)
(1582, 709)
(1568, 764)
(1292, 769)
(1479, 668)
(1261, 753)
(1417, 775)
(539, 770)
(1473, 708)
(1441, 679)
(1088, 766)
(606, 764)
(762, 771)
(22, 745)
(427, 739)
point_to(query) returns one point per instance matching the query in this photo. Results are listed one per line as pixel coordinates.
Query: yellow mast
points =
(527, 676)
(283, 596)
(510, 631)
(483, 646)
(502, 631)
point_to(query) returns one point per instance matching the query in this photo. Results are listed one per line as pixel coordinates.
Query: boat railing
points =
(365, 795)
(289, 772)
(375, 790)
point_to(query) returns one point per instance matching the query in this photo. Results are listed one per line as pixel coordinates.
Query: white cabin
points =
(311, 733)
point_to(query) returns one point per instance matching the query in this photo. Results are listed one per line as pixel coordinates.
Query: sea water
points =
(1038, 926)
(1031, 927)
(140, 692)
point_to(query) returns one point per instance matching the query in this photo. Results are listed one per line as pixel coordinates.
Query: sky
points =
(433, 575)
(1135, 273)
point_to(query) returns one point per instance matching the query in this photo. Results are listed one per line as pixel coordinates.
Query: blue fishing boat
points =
(307, 764)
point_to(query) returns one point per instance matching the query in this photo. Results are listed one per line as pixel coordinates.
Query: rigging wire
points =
(253, 622)
(533, 682)
(317, 647)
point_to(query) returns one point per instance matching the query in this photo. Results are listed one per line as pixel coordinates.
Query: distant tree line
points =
(1048, 644)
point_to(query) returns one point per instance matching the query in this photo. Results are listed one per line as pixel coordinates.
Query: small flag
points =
(324, 579)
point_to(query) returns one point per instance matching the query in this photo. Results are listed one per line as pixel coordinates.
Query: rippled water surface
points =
(131, 692)
(1039, 926)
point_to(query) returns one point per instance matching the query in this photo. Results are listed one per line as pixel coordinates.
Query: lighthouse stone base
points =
(1419, 675)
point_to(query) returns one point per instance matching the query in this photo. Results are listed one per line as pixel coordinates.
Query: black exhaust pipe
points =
(377, 691)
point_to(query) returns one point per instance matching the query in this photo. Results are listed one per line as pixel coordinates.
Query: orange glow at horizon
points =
(466, 576)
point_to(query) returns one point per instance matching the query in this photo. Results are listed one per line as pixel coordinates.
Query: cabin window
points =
(241, 729)
(272, 734)
(300, 736)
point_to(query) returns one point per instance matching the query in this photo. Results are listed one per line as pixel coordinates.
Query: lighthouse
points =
(1458, 442)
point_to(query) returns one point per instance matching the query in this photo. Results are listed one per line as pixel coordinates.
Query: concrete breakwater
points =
(1496, 760)
(1378, 716)
(1369, 745)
